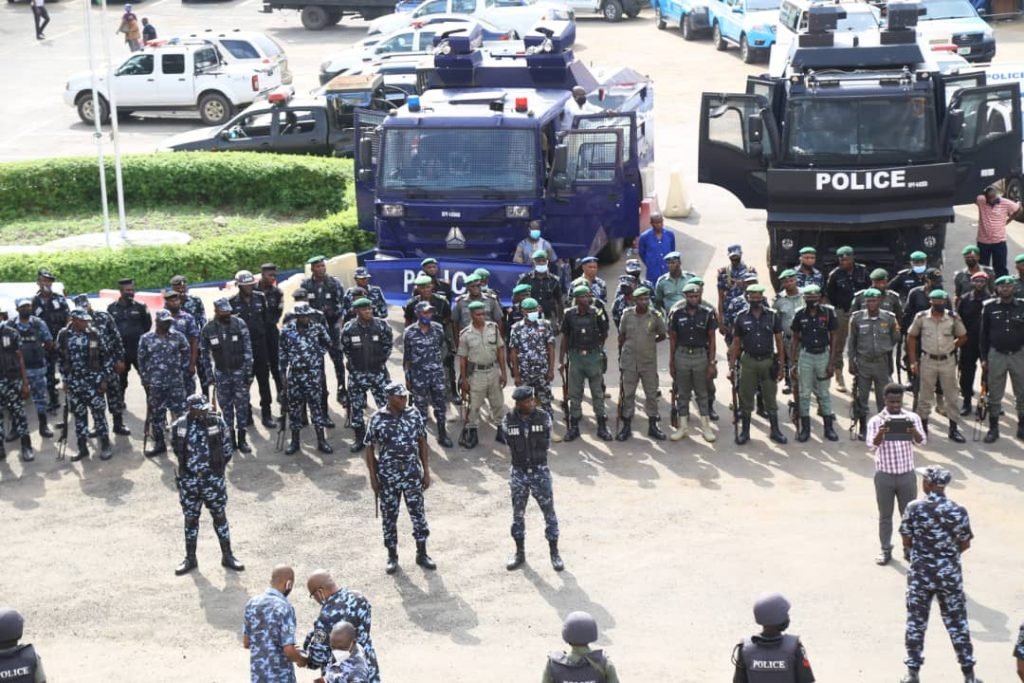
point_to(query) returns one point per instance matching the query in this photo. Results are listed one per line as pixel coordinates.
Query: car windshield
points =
(948, 9)
(847, 130)
(759, 5)
(269, 46)
(857, 21)
(483, 162)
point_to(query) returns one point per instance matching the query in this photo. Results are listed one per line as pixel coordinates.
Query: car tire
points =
(717, 39)
(634, 10)
(612, 250)
(747, 53)
(689, 33)
(612, 11)
(85, 108)
(214, 109)
(315, 18)
(659, 18)
(334, 17)
(1015, 191)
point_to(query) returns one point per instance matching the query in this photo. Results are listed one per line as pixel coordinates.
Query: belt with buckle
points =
(1007, 352)
(473, 367)
(934, 357)
(816, 350)
(753, 356)
(692, 350)
(585, 352)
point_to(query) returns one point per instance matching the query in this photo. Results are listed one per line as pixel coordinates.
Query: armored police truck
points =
(857, 145)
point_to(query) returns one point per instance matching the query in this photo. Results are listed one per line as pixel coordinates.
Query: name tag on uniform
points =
(213, 430)
(93, 345)
(376, 337)
(537, 428)
(215, 341)
(7, 341)
(356, 341)
(55, 304)
(234, 337)
(513, 431)
(182, 432)
(884, 326)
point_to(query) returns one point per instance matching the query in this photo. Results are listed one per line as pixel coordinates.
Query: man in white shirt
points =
(40, 16)
(576, 106)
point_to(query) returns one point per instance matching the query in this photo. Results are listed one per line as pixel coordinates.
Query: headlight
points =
(930, 241)
(764, 28)
(392, 210)
(517, 211)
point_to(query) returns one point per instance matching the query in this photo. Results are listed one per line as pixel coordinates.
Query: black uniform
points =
(53, 311)
(843, 284)
(905, 281)
(1001, 340)
(969, 310)
(326, 296)
(133, 320)
(255, 313)
(275, 308)
(547, 290)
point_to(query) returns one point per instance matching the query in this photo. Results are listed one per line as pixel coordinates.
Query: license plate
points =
(963, 50)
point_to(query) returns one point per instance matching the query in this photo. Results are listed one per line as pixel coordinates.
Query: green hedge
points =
(314, 186)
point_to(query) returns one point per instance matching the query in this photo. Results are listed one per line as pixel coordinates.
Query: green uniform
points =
(585, 334)
(758, 363)
(638, 357)
(689, 329)
(668, 290)
(890, 301)
(815, 330)
(480, 349)
(869, 347)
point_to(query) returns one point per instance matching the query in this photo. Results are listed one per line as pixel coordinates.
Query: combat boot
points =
(775, 434)
(3, 451)
(744, 435)
(955, 434)
(573, 432)
(321, 441)
(442, 435)
(805, 429)
(625, 432)
(268, 419)
(119, 427)
(830, 428)
(106, 450)
(242, 444)
(422, 559)
(517, 560)
(602, 429)
(189, 563)
(683, 429)
(293, 445)
(969, 676)
(472, 438)
(358, 444)
(392, 565)
(911, 676)
(83, 450)
(44, 429)
(159, 447)
(227, 558)
(1020, 426)
(27, 454)
(654, 431)
(759, 403)
(706, 431)
(556, 559)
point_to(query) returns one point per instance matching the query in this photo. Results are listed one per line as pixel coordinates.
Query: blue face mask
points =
(424, 321)
(535, 234)
(533, 316)
(918, 269)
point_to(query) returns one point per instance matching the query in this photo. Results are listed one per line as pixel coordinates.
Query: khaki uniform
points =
(638, 358)
(480, 349)
(936, 359)
(869, 347)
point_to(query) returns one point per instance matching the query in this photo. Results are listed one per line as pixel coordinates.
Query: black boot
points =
(954, 432)
(83, 450)
(556, 559)
(392, 565)
(106, 450)
(27, 454)
(775, 434)
(293, 445)
(268, 419)
(625, 432)
(119, 427)
(358, 445)
(966, 409)
(805, 429)
(44, 429)
(993, 429)
(517, 560)
(54, 404)
(862, 429)
(422, 559)
(654, 431)
(189, 563)
(472, 438)
(744, 435)
(321, 441)
(3, 451)
(573, 432)
(227, 558)
(602, 429)
(711, 411)
(830, 428)
(243, 445)
(159, 447)
(442, 434)
(1020, 426)
(924, 423)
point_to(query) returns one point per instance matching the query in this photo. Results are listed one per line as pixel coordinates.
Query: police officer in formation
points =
(962, 279)
(528, 433)
(432, 269)
(581, 663)
(598, 287)
(325, 295)
(252, 308)
(641, 329)
(807, 272)
(423, 348)
(668, 290)
(19, 662)
(85, 365)
(424, 291)
(301, 296)
(366, 342)
(736, 305)
(731, 279)
(227, 354)
(164, 358)
(133, 320)
(932, 341)
(786, 303)
(873, 335)
(757, 350)
(692, 361)
(936, 532)
(303, 343)
(772, 655)
(1018, 279)
(584, 331)
(361, 276)
(888, 300)
(1001, 339)
(624, 297)
(267, 286)
(909, 278)
(544, 287)
(269, 630)
(969, 307)
(460, 310)
(104, 323)
(635, 269)
(532, 350)
(845, 280)
(482, 371)
(813, 353)
(194, 306)
(36, 343)
(515, 313)
(338, 604)
(399, 466)
(14, 390)
(201, 441)
(918, 298)
(52, 309)
(187, 325)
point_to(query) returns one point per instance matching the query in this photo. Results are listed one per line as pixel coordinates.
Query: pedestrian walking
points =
(932, 341)
(653, 245)
(85, 363)
(581, 663)
(131, 29)
(482, 373)
(773, 654)
(845, 280)
(758, 333)
(348, 662)
(53, 309)
(41, 17)
(301, 367)
(133, 320)
(584, 331)
(873, 335)
(36, 343)
(164, 357)
(1000, 340)
(641, 330)
(994, 214)
(18, 661)
(692, 359)
(424, 346)
(269, 631)
(337, 605)
(227, 354)
(813, 353)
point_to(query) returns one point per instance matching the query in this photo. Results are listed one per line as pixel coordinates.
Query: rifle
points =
(62, 440)
(981, 411)
(794, 403)
(734, 380)
(565, 390)
(282, 423)
(856, 416)
(899, 360)
(465, 419)
(147, 424)
(674, 413)
(622, 394)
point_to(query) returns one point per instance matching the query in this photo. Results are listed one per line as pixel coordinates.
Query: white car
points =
(956, 24)
(509, 16)
(407, 40)
(251, 48)
(862, 20)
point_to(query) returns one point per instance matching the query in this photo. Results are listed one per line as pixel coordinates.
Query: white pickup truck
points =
(184, 76)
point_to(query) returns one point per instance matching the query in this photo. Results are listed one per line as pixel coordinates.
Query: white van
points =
(861, 19)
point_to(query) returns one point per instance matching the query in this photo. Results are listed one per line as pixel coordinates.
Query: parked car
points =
(750, 24)
(491, 31)
(517, 16)
(251, 48)
(862, 20)
(407, 40)
(957, 23)
(611, 10)
(690, 16)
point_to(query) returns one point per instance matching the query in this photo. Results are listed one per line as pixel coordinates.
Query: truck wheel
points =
(214, 109)
(315, 18)
(659, 18)
(334, 16)
(85, 109)
(634, 10)
(612, 10)
(1015, 192)
(717, 39)
(612, 251)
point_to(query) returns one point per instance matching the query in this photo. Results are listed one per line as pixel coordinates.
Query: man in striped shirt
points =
(894, 465)
(994, 213)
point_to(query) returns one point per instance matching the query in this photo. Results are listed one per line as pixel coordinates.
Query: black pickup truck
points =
(317, 15)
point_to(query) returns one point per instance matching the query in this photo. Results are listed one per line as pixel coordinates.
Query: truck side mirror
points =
(365, 151)
(560, 161)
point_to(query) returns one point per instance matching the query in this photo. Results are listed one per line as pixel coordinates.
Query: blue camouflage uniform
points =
(422, 357)
(373, 293)
(34, 334)
(301, 366)
(11, 380)
(354, 669)
(187, 325)
(598, 288)
(730, 279)
(528, 438)
(326, 296)
(107, 327)
(225, 350)
(733, 308)
(194, 306)
(530, 341)
(270, 626)
(343, 605)
(85, 363)
(396, 439)
(815, 277)
(367, 347)
(203, 448)
(163, 364)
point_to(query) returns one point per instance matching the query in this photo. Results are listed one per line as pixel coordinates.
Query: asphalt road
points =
(666, 544)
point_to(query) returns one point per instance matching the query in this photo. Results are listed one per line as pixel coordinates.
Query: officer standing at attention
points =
(786, 304)
(814, 351)
(635, 269)
(338, 604)
(316, 318)
(584, 331)
(962, 278)
(692, 361)
(641, 330)
(1018, 279)
(873, 335)
(85, 363)
(325, 295)
(14, 390)
(362, 276)
(888, 301)
(532, 350)
(909, 278)
(936, 532)
(104, 323)
(624, 297)
(201, 441)
(736, 305)
(301, 367)
(515, 313)
(227, 354)
(752, 347)
(424, 291)
(474, 292)
(544, 287)
(481, 370)
(969, 308)
(133, 320)
(932, 341)
(52, 309)
(366, 342)
(269, 631)
(843, 282)
(194, 306)
(581, 663)
(528, 432)
(668, 290)
(423, 345)
(18, 663)
(36, 343)
(730, 279)
(773, 655)
(1001, 339)
(164, 356)
(598, 287)
(267, 286)
(399, 468)
(252, 308)
(431, 269)
(806, 272)
(186, 324)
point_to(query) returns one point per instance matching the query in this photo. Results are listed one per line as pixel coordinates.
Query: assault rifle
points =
(734, 380)
(147, 424)
(794, 403)
(981, 411)
(62, 440)
(674, 413)
(856, 416)
(564, 371)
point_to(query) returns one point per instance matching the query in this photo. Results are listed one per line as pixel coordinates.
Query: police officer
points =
(164, 357)
(133, 320)
(269, 630)
(962, 278)
(431, 268)
(267, 286)
(668, 290)
(635, 269)
(485, 278)
(888, 299)
(252, 308)
(969, 308)
(807, 272)
(581, 663)
(36, 343)
(918, 300)
(325, 295)
(598, 287)
(584, 331)
(623, 297)
(18, 663)
(187, 325)
(85, 363)
(1001, 339)
(936, 532)
(813, 352)
(301, 296)
(194, 306)
(481, 370)
(515, 313)
(14, 390)
(348, 662)
(692, 363)
(730, 279)
(873, 335)
(366, 342)
(52, 309)
(755, 330)
(399, 468)
(474, 292)
(786, 303)
(104, 323)
(362, 276)
(1018, 279)
(641, 330)
(736, 305)
(845, 280)
(227, 354)
(301, 367)
(545, 288)
(909, 278)
(423, 347)
(772, 655)
(528, 432)
(932, 341)
(532, 350)
(201, 441)
(338, 604)
(424, 291)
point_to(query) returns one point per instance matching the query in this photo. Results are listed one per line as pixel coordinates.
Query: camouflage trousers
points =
(158, 401)
(10, 401)
(37, 385)
(303, 389)
(541, 389)
(197, 490)
(949, 590)
(537, 483)
(408, 485)
(85, 397)
(428, 389)
(114, 396)
(358, 384)
(233, 397)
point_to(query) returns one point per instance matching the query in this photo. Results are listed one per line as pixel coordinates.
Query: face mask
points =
(164, 326)
(341, 655)
(755, 304)
(302, 324)
(541, 268)
(535, 234)
(938, 308)
(971, 261)
(425, 321)
(533, 316)
(918, 269)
